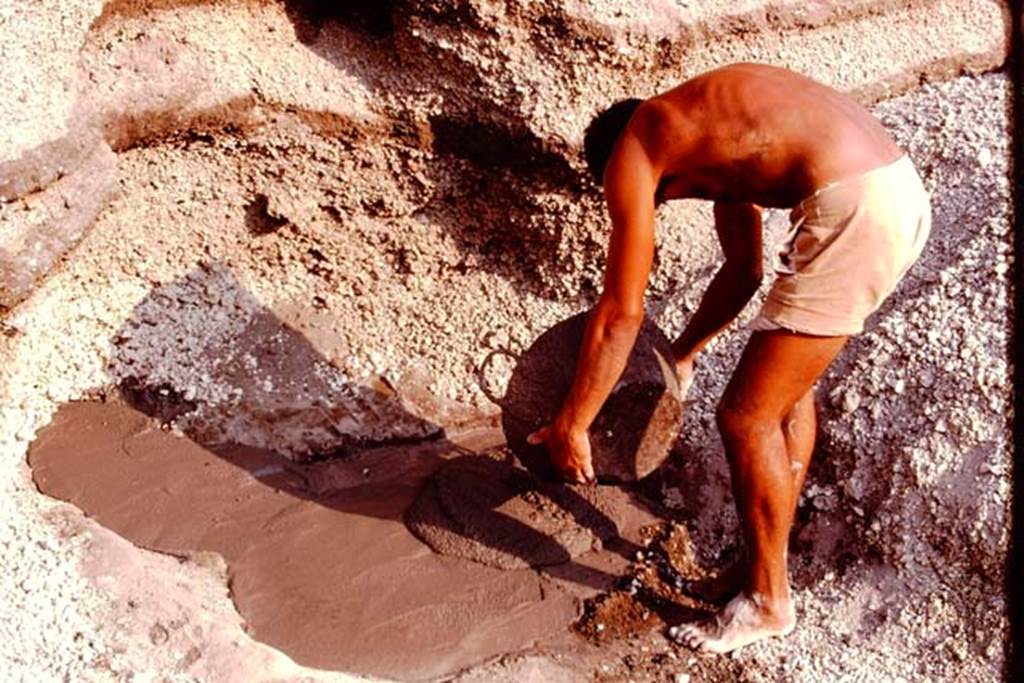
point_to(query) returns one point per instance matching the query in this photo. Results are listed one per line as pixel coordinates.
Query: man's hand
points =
(569, 451)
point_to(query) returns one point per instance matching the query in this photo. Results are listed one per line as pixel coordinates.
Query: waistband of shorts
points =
(900, 165)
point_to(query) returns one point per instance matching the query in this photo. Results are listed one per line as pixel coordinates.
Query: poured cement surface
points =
(320, 563)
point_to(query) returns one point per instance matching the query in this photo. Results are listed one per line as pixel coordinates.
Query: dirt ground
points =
(278, 285)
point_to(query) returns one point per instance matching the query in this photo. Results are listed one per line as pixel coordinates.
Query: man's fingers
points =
(574, 476)
(569, 474)
(588, 471)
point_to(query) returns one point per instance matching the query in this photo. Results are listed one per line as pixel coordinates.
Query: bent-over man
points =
(748, 136)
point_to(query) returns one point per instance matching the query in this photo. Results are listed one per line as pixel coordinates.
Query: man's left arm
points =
(630, 181)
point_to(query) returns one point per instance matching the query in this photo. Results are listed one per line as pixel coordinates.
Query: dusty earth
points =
(300, 293)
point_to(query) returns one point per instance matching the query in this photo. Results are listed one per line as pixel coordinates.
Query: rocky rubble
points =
(501, 88)
(310, 222)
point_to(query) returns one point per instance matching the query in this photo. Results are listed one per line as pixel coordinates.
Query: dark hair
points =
(603, 132)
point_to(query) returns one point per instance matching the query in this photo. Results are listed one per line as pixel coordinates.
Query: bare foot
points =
(743, 621)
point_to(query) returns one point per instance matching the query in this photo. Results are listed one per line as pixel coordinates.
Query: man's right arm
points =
(738, 225)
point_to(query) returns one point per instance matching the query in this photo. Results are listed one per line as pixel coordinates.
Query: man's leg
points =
(769, 389)
(799, 429)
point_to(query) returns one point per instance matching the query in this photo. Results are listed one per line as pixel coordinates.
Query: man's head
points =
(603, 132)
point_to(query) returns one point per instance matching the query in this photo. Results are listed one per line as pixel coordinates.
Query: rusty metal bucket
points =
(633, 433)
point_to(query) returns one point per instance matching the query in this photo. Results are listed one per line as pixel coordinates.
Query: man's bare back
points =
(758, 134)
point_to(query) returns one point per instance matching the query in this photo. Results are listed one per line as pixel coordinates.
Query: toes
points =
(691, 636)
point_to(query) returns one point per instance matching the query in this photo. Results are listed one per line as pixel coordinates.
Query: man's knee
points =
(737, 422)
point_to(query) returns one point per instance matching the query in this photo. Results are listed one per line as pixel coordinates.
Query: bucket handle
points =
(481, 374)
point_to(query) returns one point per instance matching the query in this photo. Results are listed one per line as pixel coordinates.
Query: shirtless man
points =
(748, 136)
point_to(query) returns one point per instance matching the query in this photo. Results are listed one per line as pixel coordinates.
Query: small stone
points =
(26, 433)
(985, 156)
(158, 634)
(959, 650)
(851, 401)
(682, 678)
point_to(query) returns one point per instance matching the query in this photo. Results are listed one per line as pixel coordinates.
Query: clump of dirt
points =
(616, 615)
(161, 401)
(656, 592)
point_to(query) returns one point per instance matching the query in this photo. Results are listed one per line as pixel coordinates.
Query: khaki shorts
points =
(848, 246)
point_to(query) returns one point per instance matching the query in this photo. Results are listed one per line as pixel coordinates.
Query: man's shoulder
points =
(653, 118)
